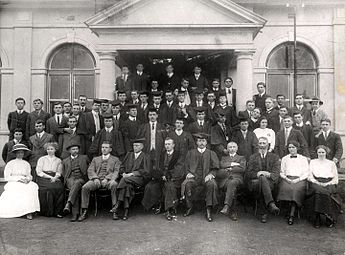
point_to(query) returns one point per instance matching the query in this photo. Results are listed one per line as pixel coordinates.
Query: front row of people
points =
(174, 178)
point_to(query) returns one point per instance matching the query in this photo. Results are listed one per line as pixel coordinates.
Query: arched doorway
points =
(280, 64)
(71, 72)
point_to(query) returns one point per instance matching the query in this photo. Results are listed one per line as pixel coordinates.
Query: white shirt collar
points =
(109, 129)
(74, 157)
(179, 132)
(170, 74)
(105, 157)
(94, 113)
(182, 104)
(232, 155)
(20, 111)
(201, 150)
(288, 129)
(170, 153)
(137, 154)
(131, 118)
(139, 73)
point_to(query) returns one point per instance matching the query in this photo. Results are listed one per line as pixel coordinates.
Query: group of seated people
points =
(178, 149)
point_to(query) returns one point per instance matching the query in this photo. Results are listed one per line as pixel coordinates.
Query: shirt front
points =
(201, 150)
(178, 132)
(131, 118)
(96, 120)
(153, 128)
(58, 118)
(137, 154)
(109, 129)
(105, 157)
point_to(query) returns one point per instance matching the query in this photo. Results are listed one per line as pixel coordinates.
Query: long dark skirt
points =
(294, 192)
(322, 200)
(51, 195)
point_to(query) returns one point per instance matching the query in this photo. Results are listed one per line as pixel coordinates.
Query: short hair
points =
(250, 101)
(283, 107)
(297, 113)
(168, 91)
(124, 66)
(294, 143)
(72, 117)
(299, 95)
(20, 99)
(324, 147)
(185, 79)
(326, 120)
(228, 78)
(261, 83)
(280, 95)
(244, 120)
(288, 117)
(82, 96)
(169, 139)
(263, 138)
(121, 92)
(18, 130)
(258, 108)
(263, 118)
(57, 103)
(39, 121)
(38, 100)
(67, 103)
(270, 99)
(76, 104)
(180, 119)
(232, 142)
(51, 144)
(216, 79)
(107, 142)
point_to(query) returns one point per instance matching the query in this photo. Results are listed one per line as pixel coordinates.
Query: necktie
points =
(229, 91)
(153, 126)
(262, 155)
(325, 134)
(58, 119)
(314, 113)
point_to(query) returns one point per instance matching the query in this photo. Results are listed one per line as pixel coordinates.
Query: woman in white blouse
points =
(51, 189)
(21, 194)
(322, 194)
(293, 173)
(264, 131)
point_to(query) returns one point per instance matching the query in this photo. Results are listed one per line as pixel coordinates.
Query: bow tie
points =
(293, 156)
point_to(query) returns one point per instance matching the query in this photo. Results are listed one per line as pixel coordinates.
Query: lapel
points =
(137, 161)
(110, 163)
(173, 160)
(68, 167)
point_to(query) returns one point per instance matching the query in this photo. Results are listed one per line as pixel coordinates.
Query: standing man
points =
(317, 114)
(230, 177)
(330, 139)
(82, 102)
(104, 109)
(38, 113)
(300, 107)
(260, 98)
(18, 118)
(271, 114)
(116, 112)
(55, 125)
(263, 174)
(250, 106)
(288, 134)
(183, 110)
(170, 81)
(230, 114)
(201, 125)
(168, 108)
(74, 171)
(141, 81)
(67, 109)
(281, 99)
(201, 166)
(130, 126)
(230, 92)
(197, 80)
(307, 132)
(135, 171)
(102, 173)
(123, 82)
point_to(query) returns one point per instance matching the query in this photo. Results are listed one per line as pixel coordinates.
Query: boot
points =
(115, 208)
(67, 209)
(209, 214)
(225, 209)
(125, 215)
(83, 215)
(188, 212)
(74, 217)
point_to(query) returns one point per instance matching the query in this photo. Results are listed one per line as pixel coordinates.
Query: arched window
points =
(280, 65)
(71, 72)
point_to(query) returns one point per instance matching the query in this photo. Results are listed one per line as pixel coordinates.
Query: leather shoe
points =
(225, 210)
(209, 214)
(233, 216)
(273, 208)
(264, 218)
(74, 218)
(115, 208)
(67, 209)
(158, 210)
(83, 215)
(115, 216)
(188, 212)
(169, 216)
(125, 215)
(290, 220)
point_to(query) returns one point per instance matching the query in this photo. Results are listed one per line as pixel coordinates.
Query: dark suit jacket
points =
(129, 130)
(36, 145)
(247, 146)
(273, 119)
(66, 139)
(209, 113)
(183, 143)
(308, 134)
(52, 127)
(6, 150)
(233, 93)
(171, 83)
(272, 162)
(260, 101)
(194, 128)
(143, 113)
(113, 168)
(237, 171)
(167, 113)
(16, 120)
(219, 139)
(175, 168)
(178, 113)
(122, 85)
(140, 83)
(295, 135)
(230, 114)
(30, 123)
(333, 142)
(83, 162)
(201, 83)
(90, 126)
(118, 146)
(140, 167)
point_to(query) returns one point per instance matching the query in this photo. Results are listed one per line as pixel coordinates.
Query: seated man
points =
(135, 171)
(102, 173)
(201, 166)
(169, 175)
(230, 177)
(74, 171)
(263, 173)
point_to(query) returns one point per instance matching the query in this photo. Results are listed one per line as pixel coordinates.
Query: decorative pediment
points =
(176, 13)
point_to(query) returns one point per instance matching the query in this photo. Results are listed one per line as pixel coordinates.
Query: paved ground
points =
(144, 233)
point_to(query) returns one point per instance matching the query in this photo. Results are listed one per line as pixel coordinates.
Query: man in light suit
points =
(74, 171)
(288, 134)
(102, 173)
(38, 113)
(330, 139)
(230, 177)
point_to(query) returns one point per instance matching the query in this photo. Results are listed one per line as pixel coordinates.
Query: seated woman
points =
(264, 131)
(21, 194)
(51, 189)
(322, 193)
(294, 172)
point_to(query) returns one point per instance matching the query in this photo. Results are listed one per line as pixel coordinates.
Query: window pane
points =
(84, 85)
(82, 59)
(59, 86)
(278, 84)
(306, 84)
(279, 59)
(305, 60)
(62, 59)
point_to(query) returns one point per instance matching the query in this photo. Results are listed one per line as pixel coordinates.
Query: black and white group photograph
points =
(172, 127)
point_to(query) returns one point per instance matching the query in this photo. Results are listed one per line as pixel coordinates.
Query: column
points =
(244, 77)
(106, 86)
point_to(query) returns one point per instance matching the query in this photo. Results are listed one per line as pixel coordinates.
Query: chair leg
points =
(96, 205)
(256, 207)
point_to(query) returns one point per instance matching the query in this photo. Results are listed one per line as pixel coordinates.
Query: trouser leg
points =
(85, 193)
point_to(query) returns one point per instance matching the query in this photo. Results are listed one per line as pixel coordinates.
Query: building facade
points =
(57, 49)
